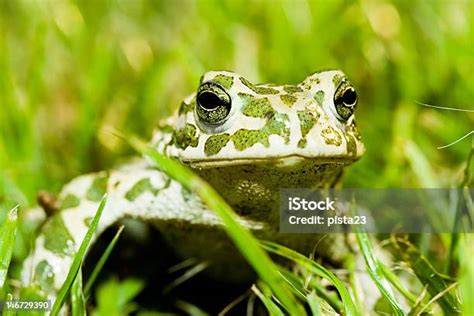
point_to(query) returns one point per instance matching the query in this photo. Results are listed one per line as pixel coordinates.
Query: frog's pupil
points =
(209, 100)
(349, 97)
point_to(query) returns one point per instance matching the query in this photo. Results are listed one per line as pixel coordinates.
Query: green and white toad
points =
(248, 141)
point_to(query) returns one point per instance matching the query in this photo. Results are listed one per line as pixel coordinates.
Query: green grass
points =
(100, 264)
(72, 277)
(375, 269)
(7, 241)
(70, 70)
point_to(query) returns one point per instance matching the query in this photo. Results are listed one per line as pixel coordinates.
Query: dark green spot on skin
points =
(98, 188)
(69, 201)
(247, 83)
(288, 99)
(185, 193)
(258, 89)
(225, 81)
(292, 89)
(142, 186)
(185, 137)
(88, 221)
(57, 238)
(336, 80)
(265, 90)
(256, 107)
(44, 275)
(319, 97)
(310, 82)
(215, 143)
(315, 81)
(351, 145)
(331, 136)
(276, 125)
(185, 108)
(302, 143)
(307, 121)
(245, 138)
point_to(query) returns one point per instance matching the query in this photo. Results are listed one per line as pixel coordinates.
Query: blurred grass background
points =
(70, 69)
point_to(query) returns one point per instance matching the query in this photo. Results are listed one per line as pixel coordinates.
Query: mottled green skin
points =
(319, 97)
(288, 99)
(44, 276)
(253, 185)
(57, 237)
(225, 81)
(253, 141)
(215, 143)
(257, 88)
(142, 186)
(256, 107)
(311, 103)
(307, 121)
(337, 80)
(292, 89)
(139, 188)
(186, 107)
(69, 201)
(276, 125)
(245, 138)
(274, 137)
(331, 136)
(182, 138)
(98, 188)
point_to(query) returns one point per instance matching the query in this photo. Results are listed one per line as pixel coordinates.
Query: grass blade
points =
(9, 312)
(188, 274)
(467, 273)
(272, 308)
(302, 291)
(428, 275)
(374, 267)
(313, 303)
(100, 264)
(78, 303)
(7, 242)
(190, 309)
(316, 268)
(393, 279)
(78, 258)
(242, 238)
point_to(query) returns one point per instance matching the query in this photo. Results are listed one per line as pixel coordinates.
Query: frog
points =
(247, 141)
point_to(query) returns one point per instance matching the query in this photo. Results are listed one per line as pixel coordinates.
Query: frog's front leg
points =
(143, 193)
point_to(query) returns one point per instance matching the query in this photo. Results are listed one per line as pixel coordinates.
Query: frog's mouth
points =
(279, 162)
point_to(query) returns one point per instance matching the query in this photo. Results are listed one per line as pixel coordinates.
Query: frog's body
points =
(247, 141)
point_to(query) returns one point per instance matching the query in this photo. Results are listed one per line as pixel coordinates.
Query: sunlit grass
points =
(7, 241)
(69, 70)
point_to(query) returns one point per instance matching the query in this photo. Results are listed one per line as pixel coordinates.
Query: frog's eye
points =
(213, 103)
(345, 100)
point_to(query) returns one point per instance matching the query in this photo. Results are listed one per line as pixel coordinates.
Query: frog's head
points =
(253, 137)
